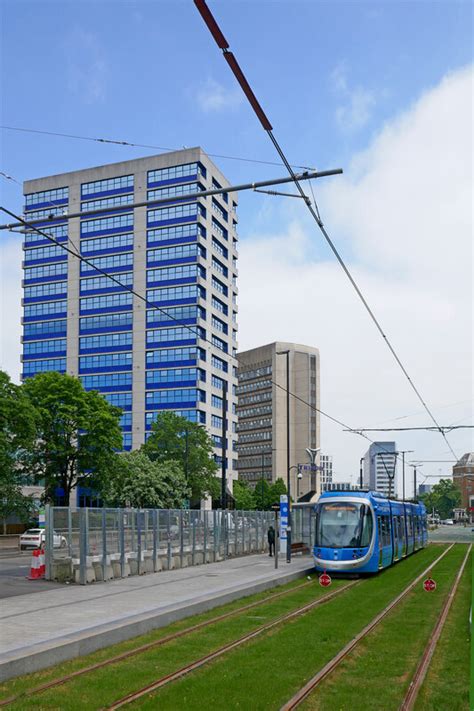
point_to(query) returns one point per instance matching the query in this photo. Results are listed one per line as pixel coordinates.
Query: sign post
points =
(283, 522)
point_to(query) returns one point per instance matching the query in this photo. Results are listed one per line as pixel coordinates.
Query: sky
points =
(383, 90)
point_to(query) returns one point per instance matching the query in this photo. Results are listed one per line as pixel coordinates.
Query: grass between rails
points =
(267, 671)
(297, 593)
(447, 682)
(377, 673)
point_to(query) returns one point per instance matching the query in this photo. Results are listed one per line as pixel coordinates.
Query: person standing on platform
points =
(271, 540)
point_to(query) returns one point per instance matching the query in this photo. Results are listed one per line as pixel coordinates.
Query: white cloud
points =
(212, 96)
(358, 102)
(403, 213)
(87, 69)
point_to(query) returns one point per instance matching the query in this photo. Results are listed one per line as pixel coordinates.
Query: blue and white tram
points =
(363, 531)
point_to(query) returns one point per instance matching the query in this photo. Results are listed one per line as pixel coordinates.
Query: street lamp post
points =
(288, 476)
(361, 480)
(403, 452)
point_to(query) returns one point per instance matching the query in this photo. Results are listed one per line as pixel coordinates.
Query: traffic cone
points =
(42, 564)
(35, 566)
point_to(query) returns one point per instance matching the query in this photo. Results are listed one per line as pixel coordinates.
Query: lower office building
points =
(262, 405)
(380, 468)
(134, 220)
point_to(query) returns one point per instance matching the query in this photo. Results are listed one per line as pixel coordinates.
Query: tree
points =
(276, 490)
(77, 433)
(443, 498)
(244, 496)
(139, 482)
(17, 429)
(262, 495)
(175, 438)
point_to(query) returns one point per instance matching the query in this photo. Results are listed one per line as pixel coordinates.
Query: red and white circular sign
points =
(429, 585)
(325, 580)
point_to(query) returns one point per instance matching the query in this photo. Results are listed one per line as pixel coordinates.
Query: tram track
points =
(183, 671)
(333, 663)
(411, 695)
(153, 645)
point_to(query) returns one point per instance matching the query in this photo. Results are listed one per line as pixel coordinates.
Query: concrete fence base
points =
(68, 569)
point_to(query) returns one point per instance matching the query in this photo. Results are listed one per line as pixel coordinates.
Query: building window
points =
(174, 191)
(178, 232)
(103, 362)
(109, 322)
(46, 271)
(117, 222)
(45, 290)
(40, 366)
(124, 182)
(46, 196)
(103, 282)
(107, 382)
(218, 363)
(110, 340)
(177, 171)
(105, 244)
(46, 253)
(115, 201)
(106, 301)
(115, 262)
(175, 293)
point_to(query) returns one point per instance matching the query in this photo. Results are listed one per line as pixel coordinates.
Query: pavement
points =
(37, 631)
(452, 534)
(13, 572)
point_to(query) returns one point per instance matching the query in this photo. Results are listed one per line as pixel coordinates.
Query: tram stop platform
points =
(38, 630)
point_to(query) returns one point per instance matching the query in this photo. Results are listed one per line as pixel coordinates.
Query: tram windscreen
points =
(344, 525)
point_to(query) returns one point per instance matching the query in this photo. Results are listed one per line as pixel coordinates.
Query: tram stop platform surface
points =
(38, 630)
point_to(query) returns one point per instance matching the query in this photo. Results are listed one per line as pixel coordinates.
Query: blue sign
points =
(283, 517)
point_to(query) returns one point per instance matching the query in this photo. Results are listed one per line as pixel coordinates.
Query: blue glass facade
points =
(180, 255)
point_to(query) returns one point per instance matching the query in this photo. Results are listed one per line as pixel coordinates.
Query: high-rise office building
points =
(326, 471)
(180, 254)
(380, 468)
(262, 413)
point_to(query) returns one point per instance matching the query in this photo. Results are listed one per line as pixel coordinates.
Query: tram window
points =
(379, 527)
(386, 530)
(368, 526)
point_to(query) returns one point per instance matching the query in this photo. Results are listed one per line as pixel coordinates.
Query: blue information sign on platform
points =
(283, 518)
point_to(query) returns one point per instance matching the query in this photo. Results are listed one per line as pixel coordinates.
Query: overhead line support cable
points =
(152, 305)
(144, 145)
(232, 62)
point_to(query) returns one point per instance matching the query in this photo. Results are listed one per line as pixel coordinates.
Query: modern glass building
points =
(176, 352)
(380, 468)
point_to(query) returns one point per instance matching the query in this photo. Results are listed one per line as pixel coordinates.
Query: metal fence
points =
(86, 545)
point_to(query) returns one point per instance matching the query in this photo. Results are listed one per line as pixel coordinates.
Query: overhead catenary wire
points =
(75, 253)
(145, 145)
(239, 75)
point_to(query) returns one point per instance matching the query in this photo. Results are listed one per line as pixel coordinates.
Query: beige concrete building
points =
(262, 413)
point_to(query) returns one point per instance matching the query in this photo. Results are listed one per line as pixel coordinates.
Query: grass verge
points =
(21, 685)
(267, 671)
(376, 674)
(447, 682)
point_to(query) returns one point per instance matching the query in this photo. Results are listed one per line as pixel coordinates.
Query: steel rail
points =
(420, 673)
(151, 645)
(178, 674)
(306, 690)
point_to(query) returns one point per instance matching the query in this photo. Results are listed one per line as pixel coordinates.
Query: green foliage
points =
(276, 490)
(77, 433)
(262, 497)
(17, 429)
(443, 498)
(244, 496)
(139, 482)
(175, 438)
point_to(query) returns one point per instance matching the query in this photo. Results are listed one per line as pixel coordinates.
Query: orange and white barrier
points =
(37, 569)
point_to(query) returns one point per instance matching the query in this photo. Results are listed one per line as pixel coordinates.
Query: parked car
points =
(35, 537)
(448, 522)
